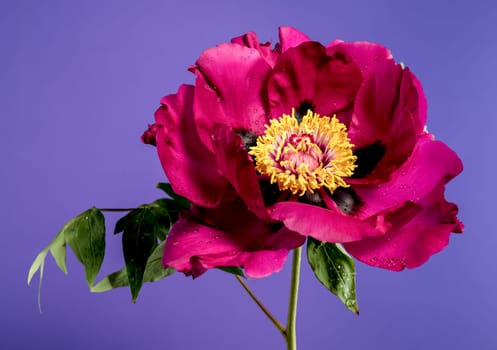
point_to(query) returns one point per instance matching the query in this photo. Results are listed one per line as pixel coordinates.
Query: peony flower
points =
(275, 144)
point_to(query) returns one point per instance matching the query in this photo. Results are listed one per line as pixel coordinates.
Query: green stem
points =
(273, 319)
(290, 333)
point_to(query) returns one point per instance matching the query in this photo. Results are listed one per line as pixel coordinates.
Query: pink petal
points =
(234, 217)
(411, 244)
(390, 108)
(421, 100)
(238, 168)
(430, 163)
(291, 37)
(374, 105)
(322, 224)
(364, 54)
(251, 40)
(263, 263)
(307, 74)
(234, 237)
(193, 248)
(228, 88)
(189, 166)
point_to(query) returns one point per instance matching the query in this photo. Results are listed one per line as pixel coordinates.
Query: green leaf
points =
(38, 265)
(335, 269)
(233, 270)
(58, 250)
(166, 213)
(140, 234)
(182, 201)
(114, 280)
(154, 271)
(85, 234)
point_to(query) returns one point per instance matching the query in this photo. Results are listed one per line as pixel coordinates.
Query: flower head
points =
(305, 156)
(303, 140)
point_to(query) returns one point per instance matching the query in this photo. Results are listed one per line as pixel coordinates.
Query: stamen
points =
(303, 156)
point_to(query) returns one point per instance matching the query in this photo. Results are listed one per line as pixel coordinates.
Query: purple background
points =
(81, 79)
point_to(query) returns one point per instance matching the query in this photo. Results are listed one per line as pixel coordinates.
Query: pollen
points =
(303, 157)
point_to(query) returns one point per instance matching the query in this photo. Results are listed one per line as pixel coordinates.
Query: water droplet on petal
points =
(415, 196)
(375, 58)
(175, 243)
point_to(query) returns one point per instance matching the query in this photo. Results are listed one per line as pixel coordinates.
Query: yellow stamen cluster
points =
(305, 156)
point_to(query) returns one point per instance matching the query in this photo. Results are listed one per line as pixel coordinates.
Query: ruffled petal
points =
(422, 104)
(430, 163)
(251, 40)
(291, 37)
(230, 78)
(238, 168)
(192, 248)
(306, 74)
(390, 110)
(263, 263)
(228, 235)
(322, 224)
(189, 166)
(271, 259)
(412, 239)
(364, 54)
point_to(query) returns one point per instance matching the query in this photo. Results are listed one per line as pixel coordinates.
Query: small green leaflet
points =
(38, 264)
(86, 237)
(141, 228)
(335, 269)
(154, 271)
(85, 234)
(182, 202)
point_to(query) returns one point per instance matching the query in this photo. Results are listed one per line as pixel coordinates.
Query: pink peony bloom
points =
(274, 144)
